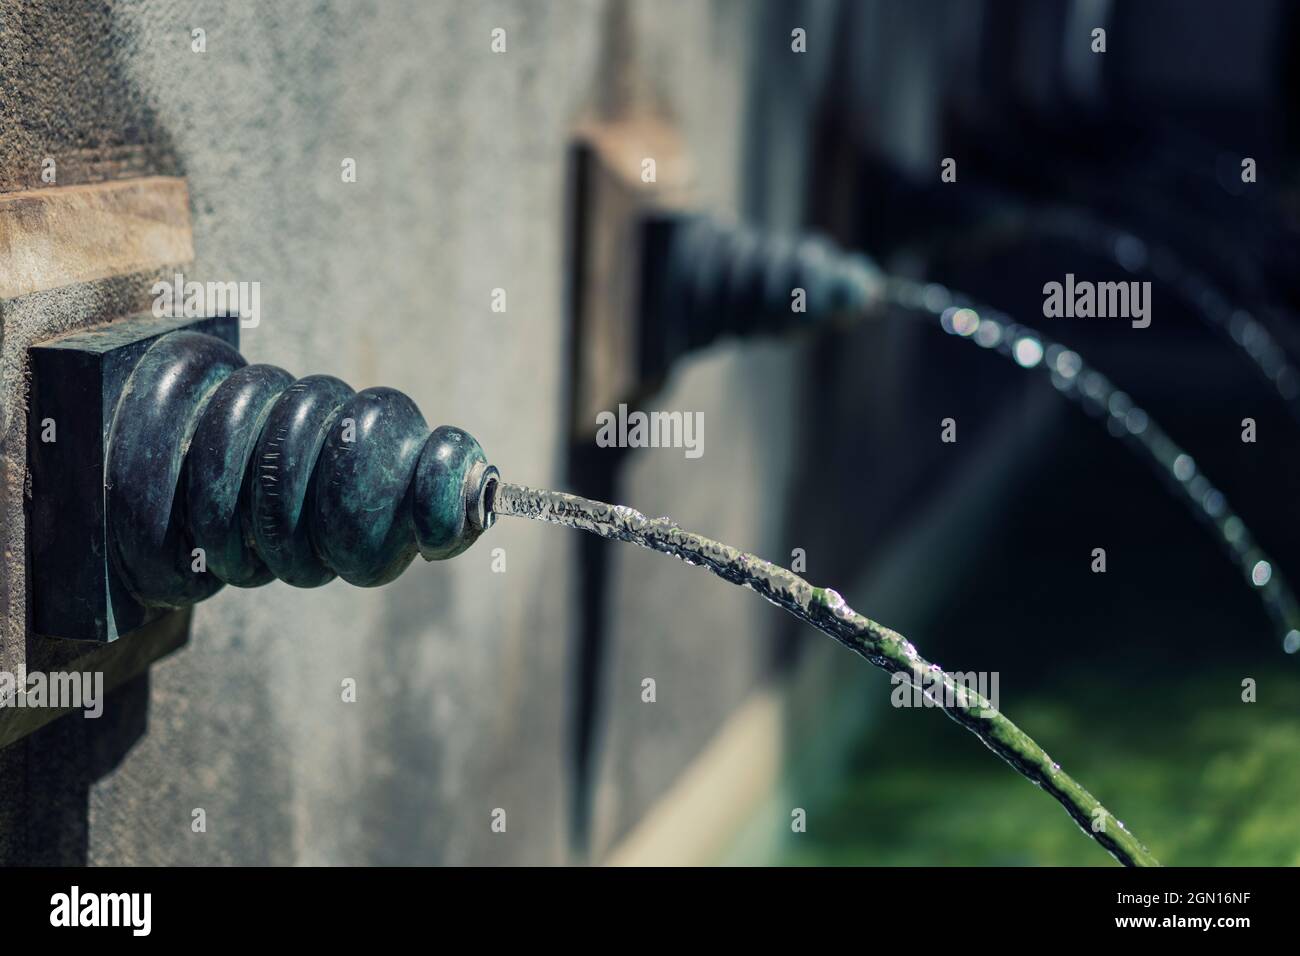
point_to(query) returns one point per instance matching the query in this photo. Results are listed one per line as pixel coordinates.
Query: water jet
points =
(207, 471)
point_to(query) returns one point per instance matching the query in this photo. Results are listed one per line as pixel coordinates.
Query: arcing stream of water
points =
(825, 610)
(860, 288)
(1212, 304)
(729, 278)
(1091, 390)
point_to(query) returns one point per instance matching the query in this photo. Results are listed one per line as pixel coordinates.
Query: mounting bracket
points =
(76, 381)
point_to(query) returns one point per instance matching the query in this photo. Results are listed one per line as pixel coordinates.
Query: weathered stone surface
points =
(462, 675)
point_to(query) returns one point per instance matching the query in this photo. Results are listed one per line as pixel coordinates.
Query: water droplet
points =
(1261, 573)
(936, 297)
(965, 322)
(1095, 386)
(1136, 421)
(1068, 364)
(1214, 503)
(1288, 383)
(989, 334)
(1131, 253)
(1233, 529)
(1028, 351)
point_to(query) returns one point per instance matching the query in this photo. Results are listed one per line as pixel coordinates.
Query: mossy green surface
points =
(1205, 778)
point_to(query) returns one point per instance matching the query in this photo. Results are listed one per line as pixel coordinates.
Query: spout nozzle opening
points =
(480, 492)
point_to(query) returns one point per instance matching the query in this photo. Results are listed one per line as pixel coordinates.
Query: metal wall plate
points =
(613, 212)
